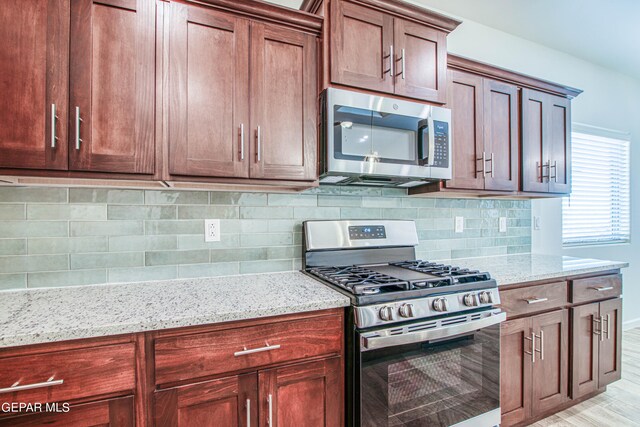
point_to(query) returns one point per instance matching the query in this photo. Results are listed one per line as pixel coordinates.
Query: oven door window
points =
(431, 384)
(373, 136)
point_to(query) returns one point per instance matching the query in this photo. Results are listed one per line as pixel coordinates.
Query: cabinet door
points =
(284, 103)
(420, 56)
(584, 349)
(515, 371)
(208, 93)
(34, 60)
(559, 144)
(112, 89)
(308, 394)
(501, 135)
(108, 413)
(534, 135)
(551, 367)
(361, 40)
(465, 99)
(228, 402)
(610, 353)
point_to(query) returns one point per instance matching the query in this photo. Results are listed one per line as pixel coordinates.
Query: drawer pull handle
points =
(535, 300)
(267, 347)
(603, 288)
(17, 387)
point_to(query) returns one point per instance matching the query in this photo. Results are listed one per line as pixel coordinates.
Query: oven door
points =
(436, 373)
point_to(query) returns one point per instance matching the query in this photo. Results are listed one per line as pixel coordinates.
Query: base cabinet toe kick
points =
(277, 371)
(561, 344)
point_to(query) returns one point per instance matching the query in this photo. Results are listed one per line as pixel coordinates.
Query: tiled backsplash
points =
(60, 236)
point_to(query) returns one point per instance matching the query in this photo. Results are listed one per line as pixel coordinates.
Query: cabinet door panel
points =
(584, 350)
(221, 402)
(610, 354)
(551, 368)
(34, 60)
(284, 110)
(534, 135)
(515, 371)
(425, 59)
(307, 394)
(361, 39)
(107, 413)
(208, 93)
(501, 135)
(559, 144)
(465, 99)
(112, 74)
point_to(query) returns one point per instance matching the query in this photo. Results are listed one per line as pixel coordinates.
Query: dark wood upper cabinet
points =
(208, 110)
(34, 61)
(112, 86)
(485, 133)
(361, 40)
(387, 47)
(306, 394)
(546, 143)
(283, 104)
(420, 56)
(230, 401)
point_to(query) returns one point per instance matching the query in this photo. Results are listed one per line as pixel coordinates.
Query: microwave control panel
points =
(441, 146)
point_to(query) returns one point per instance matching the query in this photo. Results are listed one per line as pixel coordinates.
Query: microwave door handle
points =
(432, 142)
(374, 343)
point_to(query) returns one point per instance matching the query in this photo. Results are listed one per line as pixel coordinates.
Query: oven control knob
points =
(441, 304)
(386, 313)
(470, 300)
(406, 310)
(485, 297)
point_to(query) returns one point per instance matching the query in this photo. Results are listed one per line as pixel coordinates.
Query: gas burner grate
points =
(359, 280)
(454, 274)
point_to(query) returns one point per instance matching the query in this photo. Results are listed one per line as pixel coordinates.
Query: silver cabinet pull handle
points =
(246, 351)
(603, 288)
(78, 121)
(606, 331)
(541, 344)
(392, 61)
(270, 401)
(555, 171)
(492, 167)
(533, 347)
(404, 66)
(248, 412)
(241, 141)
(54, 119)
(603, 331)
(535, 300)
(594, 325)
(17, 387)
(258, 138)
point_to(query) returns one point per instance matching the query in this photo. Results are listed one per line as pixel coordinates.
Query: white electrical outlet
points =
(212, 230)
(459, 228)
(537, 223)
(503, 224)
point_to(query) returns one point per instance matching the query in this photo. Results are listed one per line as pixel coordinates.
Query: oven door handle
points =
(374, 343)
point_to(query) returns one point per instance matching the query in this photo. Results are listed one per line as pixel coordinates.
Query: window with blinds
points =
(597, 211)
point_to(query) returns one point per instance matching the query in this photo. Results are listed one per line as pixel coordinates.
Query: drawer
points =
(210, 353)
(596, 288)
(68, 375)
(533, 299)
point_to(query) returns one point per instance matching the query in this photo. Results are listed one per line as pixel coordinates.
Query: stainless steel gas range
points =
(423, 339)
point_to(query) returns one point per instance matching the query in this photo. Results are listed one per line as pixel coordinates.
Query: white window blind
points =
(597, 211)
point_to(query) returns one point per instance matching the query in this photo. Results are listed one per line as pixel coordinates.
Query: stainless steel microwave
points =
(371, 140)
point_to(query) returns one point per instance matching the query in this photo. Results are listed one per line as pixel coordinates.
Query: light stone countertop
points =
(510, 269)
(58, 314)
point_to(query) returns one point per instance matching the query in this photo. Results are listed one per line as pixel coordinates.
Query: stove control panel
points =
(367, 316)
(360, 232)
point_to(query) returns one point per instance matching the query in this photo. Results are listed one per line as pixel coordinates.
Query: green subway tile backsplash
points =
(80, 236)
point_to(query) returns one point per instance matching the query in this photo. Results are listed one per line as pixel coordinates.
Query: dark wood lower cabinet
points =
(515, 371)
(107, 413)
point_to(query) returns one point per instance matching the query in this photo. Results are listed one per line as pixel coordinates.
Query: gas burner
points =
(455, 274)
(360, 280)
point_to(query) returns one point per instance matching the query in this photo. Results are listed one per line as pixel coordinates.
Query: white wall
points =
(610, 100)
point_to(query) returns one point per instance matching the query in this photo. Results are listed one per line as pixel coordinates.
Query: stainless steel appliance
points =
(423, 338)
(373, 140)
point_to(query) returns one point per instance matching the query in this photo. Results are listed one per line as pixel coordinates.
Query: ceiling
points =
(599, 31)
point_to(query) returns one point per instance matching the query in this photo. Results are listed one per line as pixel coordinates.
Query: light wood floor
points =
(619, 406)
